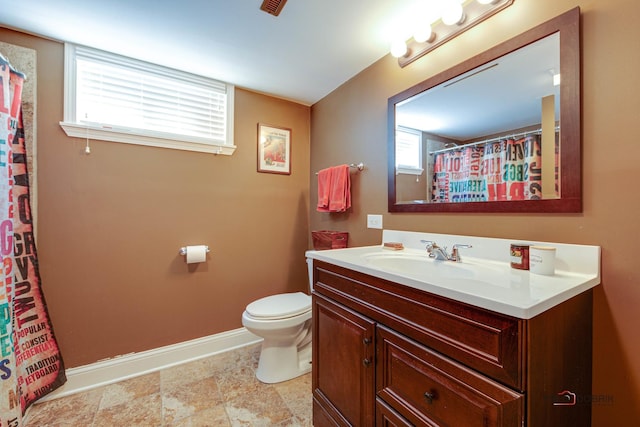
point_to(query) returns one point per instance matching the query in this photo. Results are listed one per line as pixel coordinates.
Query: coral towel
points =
(324, 185)
(334, 189)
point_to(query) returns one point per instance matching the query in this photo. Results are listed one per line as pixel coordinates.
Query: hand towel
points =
(324, 187)
(336, 195)
(340, 196)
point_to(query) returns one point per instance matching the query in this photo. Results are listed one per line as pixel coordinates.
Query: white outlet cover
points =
(374, 221)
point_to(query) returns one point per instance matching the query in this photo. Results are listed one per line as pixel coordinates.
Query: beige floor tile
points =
(296, 393)
(211, 417)
(186, 400)
(263, 407)
(239, 382)
(217, 391)
(129, 390)
(75, 410)
(187, 373)
(243, 357)
(144, 411)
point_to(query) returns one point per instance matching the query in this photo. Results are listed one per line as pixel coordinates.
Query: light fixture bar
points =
(474, 13)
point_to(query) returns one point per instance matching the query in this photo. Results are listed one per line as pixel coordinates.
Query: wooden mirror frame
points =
(568, 27)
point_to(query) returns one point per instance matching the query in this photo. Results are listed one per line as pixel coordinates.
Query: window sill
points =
(409, 171)
(127, 137)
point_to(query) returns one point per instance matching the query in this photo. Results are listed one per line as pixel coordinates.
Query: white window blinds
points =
(408, 151)
(111, 93)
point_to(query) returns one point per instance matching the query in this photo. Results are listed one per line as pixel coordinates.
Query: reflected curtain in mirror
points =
(509, 169)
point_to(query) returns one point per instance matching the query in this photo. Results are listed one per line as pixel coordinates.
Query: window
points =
(408, 151)
(113, 98)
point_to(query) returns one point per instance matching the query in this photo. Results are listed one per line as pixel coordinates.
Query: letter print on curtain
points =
(30, 361)
(504, 170)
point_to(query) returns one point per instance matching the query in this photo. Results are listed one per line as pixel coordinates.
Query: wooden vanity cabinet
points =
(386, 354)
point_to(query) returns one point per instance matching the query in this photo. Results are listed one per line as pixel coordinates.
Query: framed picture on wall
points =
(274, 149)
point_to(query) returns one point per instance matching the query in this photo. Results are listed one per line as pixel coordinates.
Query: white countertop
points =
(484, 278)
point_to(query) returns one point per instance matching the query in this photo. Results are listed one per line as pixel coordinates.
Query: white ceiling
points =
(505, 93)
(304, 54)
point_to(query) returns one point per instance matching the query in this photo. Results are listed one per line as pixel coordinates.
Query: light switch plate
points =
(374, 221)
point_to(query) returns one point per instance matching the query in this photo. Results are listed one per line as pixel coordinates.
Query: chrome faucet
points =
(455, 252)
(440, 252)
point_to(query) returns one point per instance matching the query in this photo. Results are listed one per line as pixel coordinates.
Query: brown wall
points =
(110, 225)
(350, 125)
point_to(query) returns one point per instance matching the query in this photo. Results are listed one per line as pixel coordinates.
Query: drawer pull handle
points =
(366, 341)
(366, 362)
(428, 396)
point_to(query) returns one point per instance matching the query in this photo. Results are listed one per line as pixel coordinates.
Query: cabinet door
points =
(429, 389)
(343, 365)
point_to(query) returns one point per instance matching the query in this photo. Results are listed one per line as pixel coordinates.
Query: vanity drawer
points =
(427, 388)
(387, 417)
(489, 342)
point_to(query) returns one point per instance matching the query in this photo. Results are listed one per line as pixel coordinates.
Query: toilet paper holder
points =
(183, 250)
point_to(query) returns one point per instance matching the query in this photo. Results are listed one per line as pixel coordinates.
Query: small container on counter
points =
(520, 256)
(543, 260)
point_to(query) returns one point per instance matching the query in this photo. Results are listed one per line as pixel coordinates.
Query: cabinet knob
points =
(366, 341)
(429, 396)
(366, 362)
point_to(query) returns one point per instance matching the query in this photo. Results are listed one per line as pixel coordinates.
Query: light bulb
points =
(453, 13)
(398, 48)
(423, 34)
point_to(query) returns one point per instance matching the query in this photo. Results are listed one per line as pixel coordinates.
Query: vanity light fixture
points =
(457, 17)
(398, 48)
(453, 13)
(424, 34)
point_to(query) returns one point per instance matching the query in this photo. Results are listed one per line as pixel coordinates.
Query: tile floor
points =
(217, 391)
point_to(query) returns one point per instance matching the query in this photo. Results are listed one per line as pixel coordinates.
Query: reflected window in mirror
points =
(408, 151)
(409, 164)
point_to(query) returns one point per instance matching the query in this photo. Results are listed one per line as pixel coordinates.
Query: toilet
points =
(284, 321)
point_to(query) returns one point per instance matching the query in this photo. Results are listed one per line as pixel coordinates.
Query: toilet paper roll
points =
(196, 254)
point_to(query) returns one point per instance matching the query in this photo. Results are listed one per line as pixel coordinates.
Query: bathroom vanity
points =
(400, 339)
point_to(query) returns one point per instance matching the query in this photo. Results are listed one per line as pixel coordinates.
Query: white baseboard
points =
(132, 365)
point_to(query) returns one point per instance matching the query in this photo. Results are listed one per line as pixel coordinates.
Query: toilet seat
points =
(280, 306)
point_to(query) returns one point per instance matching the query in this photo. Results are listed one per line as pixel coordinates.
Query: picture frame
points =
(274, 149)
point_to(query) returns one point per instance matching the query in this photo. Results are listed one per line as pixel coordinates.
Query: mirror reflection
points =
(489, 134)
(495, 133)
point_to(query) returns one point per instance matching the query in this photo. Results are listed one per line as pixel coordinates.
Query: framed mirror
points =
(500, 132)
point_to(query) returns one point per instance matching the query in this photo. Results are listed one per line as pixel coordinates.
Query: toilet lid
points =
(280, 306)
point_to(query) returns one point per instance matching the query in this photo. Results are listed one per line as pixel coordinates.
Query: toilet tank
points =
(310, 270)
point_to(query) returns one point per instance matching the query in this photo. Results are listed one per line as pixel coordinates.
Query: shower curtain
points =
(30, 361)
(503, 170)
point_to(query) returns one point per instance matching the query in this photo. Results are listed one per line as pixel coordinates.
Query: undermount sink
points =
(419, 265)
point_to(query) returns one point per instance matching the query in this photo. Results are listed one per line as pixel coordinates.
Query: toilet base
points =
(278, 363)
